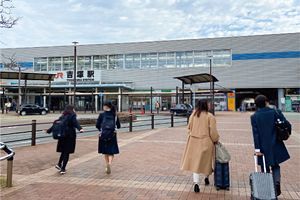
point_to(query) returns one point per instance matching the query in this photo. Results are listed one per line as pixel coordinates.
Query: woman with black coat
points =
(106, 124)
(67, 144)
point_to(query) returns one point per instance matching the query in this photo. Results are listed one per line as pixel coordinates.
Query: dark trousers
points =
(63, 160)
(275, 173)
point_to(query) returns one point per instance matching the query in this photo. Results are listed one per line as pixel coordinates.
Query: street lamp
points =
(211, 86)
(75, 70)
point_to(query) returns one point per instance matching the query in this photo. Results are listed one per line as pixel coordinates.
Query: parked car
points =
(182, 109)
(28, 109)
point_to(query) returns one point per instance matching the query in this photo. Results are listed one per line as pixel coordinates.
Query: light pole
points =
(75, 71)
(19, 88)
(211, 87)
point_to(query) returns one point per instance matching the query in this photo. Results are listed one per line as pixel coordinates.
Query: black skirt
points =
(108, 147)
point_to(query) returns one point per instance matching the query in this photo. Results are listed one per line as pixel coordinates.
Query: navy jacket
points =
(68, 144)
(264, 135)
(100, 119)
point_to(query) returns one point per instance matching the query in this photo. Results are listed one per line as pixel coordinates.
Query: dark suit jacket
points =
(264, 135)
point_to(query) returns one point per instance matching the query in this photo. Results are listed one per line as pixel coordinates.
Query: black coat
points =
(68, 144)
(264, 135)
(109, 147)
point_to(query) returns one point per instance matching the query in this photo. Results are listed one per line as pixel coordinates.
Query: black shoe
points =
(278, 190)
(62, 171)
(196, 188)
(206, 180)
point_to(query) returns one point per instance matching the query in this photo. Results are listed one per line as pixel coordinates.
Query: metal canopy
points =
(197, 78)
(27, 76)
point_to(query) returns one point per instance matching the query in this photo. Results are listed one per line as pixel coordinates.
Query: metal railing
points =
(9, 157)
(142, 122)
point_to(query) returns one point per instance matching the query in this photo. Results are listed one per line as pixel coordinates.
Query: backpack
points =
(108, 127)
(59, 128)
(283, 129)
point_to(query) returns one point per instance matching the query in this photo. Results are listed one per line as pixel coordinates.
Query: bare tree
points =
(10, 62)
(6, 18)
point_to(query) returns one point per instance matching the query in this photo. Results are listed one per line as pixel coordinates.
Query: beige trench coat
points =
(199, 153)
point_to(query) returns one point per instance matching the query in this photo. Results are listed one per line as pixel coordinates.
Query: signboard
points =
(83, 77)
(231, 101)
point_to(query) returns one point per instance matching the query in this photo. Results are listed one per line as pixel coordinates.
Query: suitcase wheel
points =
(227, 188)
(218, 188)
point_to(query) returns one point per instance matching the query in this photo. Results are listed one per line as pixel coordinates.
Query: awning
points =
(197, 78)
(26, 76)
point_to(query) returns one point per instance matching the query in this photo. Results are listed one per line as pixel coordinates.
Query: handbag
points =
(283, 128)
(222, 154)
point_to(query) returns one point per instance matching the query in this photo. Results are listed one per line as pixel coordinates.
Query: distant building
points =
(246, 65)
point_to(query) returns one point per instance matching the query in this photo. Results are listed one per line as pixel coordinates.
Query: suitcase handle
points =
(256, 165)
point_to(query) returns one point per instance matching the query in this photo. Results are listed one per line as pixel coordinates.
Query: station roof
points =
(27, 76)
(197, 78)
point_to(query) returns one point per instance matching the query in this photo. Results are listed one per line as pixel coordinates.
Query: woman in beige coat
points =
(199, 153)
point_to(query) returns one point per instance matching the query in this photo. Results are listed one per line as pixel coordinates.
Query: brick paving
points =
(147, 168)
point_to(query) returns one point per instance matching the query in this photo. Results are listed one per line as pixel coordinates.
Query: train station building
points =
(245, 66)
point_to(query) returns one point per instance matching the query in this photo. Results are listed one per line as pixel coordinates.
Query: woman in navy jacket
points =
(66, 146)
(265, 141)
(108, 146)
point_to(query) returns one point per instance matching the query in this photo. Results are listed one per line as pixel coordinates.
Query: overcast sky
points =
(59, 22)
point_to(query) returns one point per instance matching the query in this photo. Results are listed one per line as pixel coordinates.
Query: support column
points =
(182, 100)
(70, 96)
(151, 97)
(25, 91)
(96, 99)
(191, 96)
(44, 98)
(280, 93)
(176, 95)
(119, 100)
(49, 104)
(65, 98)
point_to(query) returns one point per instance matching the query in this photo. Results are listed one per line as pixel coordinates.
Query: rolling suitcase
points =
(261, 183)
(221, 176)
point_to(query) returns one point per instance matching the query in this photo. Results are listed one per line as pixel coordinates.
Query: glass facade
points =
(54, 64)
(68, 63)
(184, 59)
(133, 61)
(116, 61)
(100, 62)
(148, 60)
(179, 59)
(84, 62)
(40, 64)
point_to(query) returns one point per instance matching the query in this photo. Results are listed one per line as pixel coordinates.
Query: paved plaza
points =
(148, 167)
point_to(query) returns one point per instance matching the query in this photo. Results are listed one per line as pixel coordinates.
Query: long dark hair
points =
(69, 109)
(111, 106)
(202, 106)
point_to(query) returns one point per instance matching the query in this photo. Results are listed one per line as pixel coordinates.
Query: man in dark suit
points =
(265, 141)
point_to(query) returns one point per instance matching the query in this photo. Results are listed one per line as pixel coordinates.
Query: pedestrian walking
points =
(199, 152)
(7, 106)
(66, 144)
(157, 107)
(108, 145)
(265, 139)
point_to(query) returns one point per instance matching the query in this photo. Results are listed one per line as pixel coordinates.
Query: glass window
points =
(84, 63)
(68, 63)
(166, 59)
(100, 62)
(132, 61)
(201, 58)
(54, 64)
(40, 64)
(221, 58)
(184, 59)
(116, 61)
(149, 60)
